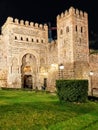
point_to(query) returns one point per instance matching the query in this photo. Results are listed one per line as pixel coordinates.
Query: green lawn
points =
(28, 110)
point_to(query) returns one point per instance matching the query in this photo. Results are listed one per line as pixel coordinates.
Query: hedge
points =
(72, 90)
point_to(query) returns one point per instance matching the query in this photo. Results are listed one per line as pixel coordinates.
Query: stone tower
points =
(73, 49)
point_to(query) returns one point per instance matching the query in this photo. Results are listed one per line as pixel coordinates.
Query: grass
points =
(29, 110)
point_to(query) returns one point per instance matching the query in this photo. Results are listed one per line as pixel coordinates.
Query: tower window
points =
(22, 38)
(81, 29)
(15, 38)
(32, 40)
(37, 40)
(67, 29)
(41, 41)
(27, 39)
(76, 28)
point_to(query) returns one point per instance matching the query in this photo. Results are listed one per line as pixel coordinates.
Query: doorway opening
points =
(28, 81)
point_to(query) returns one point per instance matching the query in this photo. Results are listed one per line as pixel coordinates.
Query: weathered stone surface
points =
(27, 59)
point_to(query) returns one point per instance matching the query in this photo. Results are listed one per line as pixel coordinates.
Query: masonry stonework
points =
(29, 60)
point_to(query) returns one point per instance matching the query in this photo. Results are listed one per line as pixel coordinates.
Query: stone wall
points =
(94, 69)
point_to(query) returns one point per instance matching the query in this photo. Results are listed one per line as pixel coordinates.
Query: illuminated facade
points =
(28, 60)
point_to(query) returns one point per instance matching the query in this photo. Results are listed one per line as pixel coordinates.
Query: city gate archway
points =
(28, 71)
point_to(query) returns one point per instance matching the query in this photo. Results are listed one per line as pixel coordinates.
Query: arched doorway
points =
(28, 81)
(28, 69)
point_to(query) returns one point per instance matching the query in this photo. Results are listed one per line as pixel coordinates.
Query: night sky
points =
(45, 11)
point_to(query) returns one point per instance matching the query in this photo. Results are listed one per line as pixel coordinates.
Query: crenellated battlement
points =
(16, 21)
(74, 12)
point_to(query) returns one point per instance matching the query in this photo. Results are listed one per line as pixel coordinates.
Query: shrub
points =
(72, 90)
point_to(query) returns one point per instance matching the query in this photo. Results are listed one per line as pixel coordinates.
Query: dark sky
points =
(44, 11)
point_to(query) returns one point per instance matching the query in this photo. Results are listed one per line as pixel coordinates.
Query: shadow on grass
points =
(93, 98)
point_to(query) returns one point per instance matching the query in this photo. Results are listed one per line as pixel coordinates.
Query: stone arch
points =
(28, 70)
(30, 52)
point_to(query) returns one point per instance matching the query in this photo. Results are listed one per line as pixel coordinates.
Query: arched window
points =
(15, 37)
(37, 40)
(42, 41)
(27, 39)
(32, 40)
(21, 38)
(76, 28)
(81, 29)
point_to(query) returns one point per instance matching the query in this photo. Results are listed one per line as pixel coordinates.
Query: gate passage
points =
(28, 81)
